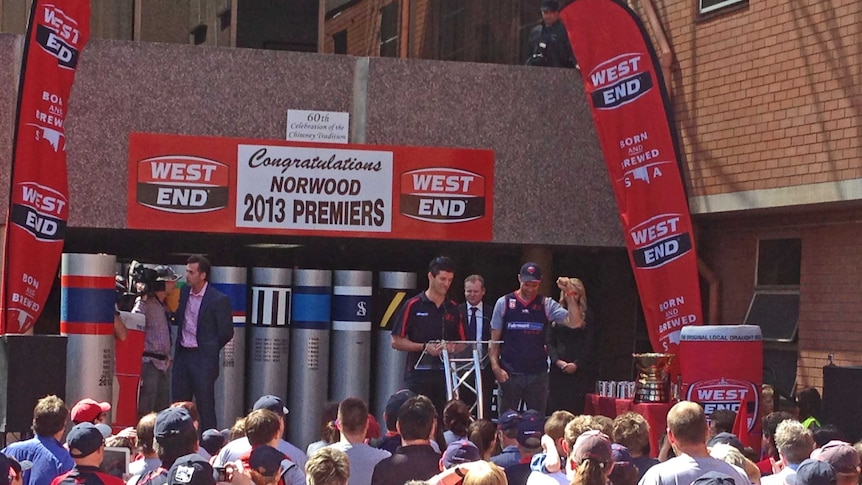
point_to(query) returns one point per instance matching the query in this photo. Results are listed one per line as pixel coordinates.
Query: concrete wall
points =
(551, 185)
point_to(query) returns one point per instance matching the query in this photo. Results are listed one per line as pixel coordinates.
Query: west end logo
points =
(659, 240)
(620, 80)
(40, 210)
(182, 184)
(58, 34)
(442, 195)
(724, 393)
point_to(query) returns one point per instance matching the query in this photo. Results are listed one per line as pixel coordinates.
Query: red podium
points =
(722, 368)
(654, 413)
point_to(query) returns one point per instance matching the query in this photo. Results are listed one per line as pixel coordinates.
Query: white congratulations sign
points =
(314, 189)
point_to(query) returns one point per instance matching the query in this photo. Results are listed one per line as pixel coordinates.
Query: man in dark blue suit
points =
(205, 325)
(477, 318)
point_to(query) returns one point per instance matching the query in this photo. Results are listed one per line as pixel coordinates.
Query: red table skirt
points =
(654, 413)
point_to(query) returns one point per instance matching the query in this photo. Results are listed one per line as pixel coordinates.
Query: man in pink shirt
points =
(205, 326)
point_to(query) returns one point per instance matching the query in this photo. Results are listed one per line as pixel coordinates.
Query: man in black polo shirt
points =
(424, 324)
(415, 459)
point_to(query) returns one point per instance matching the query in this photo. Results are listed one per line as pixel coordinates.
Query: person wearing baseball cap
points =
(240, 447)
(548, 44)
(625, 472)
(192, 469)
(45, 450)
(86, 444)
(591, 460)
(813, 472)
(459, 452)
(507, 435)
(175, 433)
(268, 465)
(844, 460)
(521, 320)
(530, 428)
(90, 411)
(12, 471)
(391, 440)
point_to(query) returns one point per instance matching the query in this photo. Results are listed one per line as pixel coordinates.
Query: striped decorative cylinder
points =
(230, 385)
(269, 333)
(87, 297)
(394, 288)
(309, 353)
(351, 335)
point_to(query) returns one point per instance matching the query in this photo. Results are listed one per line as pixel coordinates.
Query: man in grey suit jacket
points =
(205, 325)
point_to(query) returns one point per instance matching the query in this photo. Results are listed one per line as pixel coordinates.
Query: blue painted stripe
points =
(89, 305)
(310, 310)
(236, 293)
(350, 308)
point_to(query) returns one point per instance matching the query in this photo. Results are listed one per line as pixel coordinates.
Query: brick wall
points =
(767, 96)
(830, 306)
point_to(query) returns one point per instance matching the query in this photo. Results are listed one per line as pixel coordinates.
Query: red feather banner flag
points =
(632, 115)
(39, 195)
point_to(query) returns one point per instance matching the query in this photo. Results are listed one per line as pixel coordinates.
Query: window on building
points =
(339, 39)
(778, 262)
(199, 34)
(710, 6)
(389, 30)
(775, 303)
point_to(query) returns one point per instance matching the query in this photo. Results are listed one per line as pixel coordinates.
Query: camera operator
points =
(548, 44)
(155, 284)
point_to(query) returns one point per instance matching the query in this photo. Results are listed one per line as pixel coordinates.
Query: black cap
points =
(8, 463)
(530, 430)
(266, 460)
(212, 440)
(813, 472)
(509, 420)
(714, 478)
(171, 422)
(84, 439)
(191, 470)
(531, 272)
(550, 6)
(273, 403)
(727, 439)
(397, 400)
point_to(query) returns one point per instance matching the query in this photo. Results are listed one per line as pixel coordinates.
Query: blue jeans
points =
(530, 388)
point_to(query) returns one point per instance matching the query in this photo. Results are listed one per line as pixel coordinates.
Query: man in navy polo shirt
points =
(521, 320)
(423, 324)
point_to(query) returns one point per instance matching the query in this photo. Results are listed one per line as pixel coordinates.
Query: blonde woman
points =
(571, 350)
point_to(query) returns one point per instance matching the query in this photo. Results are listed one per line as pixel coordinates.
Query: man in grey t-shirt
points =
(687, 431)
(353, 424)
